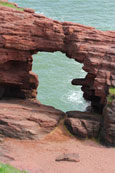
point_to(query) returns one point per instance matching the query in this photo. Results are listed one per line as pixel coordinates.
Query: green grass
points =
(112, 91)
(6, 4)
(4, 168)
(109, 99)
(111, 95)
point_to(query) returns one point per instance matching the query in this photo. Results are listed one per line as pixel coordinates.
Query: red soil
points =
(39, 156)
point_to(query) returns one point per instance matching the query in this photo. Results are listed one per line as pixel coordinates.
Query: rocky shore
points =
(32, 134)
(23, 33)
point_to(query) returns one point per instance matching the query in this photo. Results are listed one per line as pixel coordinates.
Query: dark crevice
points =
(3, 122)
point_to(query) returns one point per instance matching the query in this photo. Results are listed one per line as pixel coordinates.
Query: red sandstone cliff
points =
(23, 34)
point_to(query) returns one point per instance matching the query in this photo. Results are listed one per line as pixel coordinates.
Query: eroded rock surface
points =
(83, 125)
(108, 128)
(27, 119)
(24, 33)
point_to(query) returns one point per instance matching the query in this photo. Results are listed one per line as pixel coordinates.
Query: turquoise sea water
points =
(55, 70)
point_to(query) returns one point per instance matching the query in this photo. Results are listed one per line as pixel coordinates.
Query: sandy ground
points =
(39, 156)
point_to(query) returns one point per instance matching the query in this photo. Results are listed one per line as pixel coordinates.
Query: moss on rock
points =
(111, 95)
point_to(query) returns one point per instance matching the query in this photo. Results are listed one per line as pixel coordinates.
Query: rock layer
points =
(27, 119)
(24, 33)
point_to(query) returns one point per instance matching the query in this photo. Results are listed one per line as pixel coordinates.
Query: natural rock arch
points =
(23, 34)
(55, 73)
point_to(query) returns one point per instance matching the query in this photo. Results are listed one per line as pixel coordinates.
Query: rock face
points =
(108, 128)
(24, 33)
(83, 125)
(27, 119)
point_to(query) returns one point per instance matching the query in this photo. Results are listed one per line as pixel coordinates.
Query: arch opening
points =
(55, 72)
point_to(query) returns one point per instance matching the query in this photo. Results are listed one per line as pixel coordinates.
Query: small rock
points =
(39, 15)
(73, 157)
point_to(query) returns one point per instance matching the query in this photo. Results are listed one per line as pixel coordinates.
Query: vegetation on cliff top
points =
(111, 95)
(4, 168)
(11, 5)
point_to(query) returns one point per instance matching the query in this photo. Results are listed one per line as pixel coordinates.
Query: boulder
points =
(83, 125)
